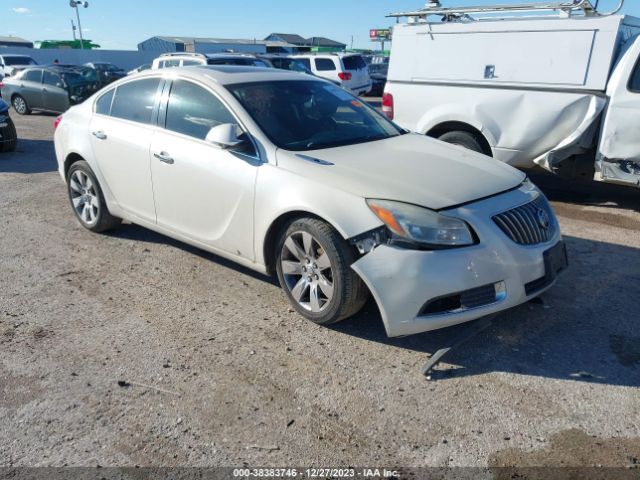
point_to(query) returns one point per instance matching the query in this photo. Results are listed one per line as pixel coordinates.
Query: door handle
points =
(164, 158)
(99, 135)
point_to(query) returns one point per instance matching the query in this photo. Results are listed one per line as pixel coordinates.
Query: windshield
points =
(304, 115)
(108, 67)
(19, 61)
(73, 78)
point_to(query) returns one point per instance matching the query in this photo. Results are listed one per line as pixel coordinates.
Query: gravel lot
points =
(218, 370)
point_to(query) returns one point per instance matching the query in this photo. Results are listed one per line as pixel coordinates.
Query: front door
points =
(619, 150)
(121, 137)
(202, 192)
(54, 96)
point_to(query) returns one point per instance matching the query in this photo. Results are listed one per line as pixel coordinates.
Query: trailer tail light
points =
(345, 76)
(387, 105)
(56, 122)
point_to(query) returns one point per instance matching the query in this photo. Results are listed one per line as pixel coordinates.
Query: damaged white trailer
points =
(561, 90)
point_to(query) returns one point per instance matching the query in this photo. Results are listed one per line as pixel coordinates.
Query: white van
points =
(559, 88)
(345, 69)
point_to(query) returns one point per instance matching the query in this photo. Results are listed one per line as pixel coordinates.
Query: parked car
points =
(53, 88)
(103, 73)
(567, 98)
(289, 174)
(141, 68)
(348, 70)
(171, 60)
(12, 64)
(8, 133)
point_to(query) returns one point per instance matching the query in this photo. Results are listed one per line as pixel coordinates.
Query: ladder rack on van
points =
(455, 13)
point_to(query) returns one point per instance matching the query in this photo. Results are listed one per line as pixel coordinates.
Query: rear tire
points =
(463, 139)
(20, 105)
(87, 199)
(314, 269)
(9, 137)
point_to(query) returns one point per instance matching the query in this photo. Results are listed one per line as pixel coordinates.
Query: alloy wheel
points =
(84, 197)
(307, 271)
(20, 105)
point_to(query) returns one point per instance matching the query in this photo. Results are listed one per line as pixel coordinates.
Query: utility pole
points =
(73, 30)
(75, 4)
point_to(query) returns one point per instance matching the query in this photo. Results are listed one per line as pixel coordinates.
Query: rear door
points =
(30, 88)
(357, 67)
(55, 96)
(619, 150)
(121, 131)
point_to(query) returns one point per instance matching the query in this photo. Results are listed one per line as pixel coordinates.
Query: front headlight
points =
(421, 225)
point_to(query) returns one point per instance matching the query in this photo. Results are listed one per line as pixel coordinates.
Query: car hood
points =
(409, 168)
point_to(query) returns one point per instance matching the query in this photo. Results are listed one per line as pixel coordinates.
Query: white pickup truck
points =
(558, 87)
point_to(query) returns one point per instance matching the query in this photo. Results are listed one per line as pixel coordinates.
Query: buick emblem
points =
(543, 219)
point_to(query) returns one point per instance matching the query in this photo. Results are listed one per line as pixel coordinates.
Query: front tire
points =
(314, 269)
(463, 139)
(9, 137)
(20, 105)
(87, 199)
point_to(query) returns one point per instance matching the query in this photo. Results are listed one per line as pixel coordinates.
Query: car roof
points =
(228, 74)
(13, 55)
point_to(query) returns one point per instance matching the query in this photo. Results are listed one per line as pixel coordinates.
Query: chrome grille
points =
(529, 224)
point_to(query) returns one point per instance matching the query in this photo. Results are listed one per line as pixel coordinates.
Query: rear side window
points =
(103, 105)
(354, 62)
(32, 76)
(169, 63)
(134, 100)
(325, 64)
(190, 63)
(193, 111)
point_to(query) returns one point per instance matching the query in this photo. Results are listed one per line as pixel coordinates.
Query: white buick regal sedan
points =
(288, 174)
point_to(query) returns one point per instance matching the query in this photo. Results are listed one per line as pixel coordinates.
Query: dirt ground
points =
(133, 349)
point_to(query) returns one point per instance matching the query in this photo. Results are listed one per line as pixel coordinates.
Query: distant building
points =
(318, 44)
(15, 42)
(212, 45)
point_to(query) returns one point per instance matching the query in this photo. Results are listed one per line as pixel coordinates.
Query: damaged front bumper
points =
(418, 291)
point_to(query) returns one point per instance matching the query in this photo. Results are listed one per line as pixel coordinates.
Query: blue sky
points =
(122, 24)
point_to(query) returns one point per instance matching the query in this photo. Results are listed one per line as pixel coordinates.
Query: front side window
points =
(134, 101)
(52, 79)
(634, 83)
(306, 62)
(32, 76)
(325, 65)
(304, 115)
(103, 105)
(193, 111)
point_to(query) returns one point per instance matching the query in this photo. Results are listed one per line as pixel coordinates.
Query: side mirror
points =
(224, 136)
